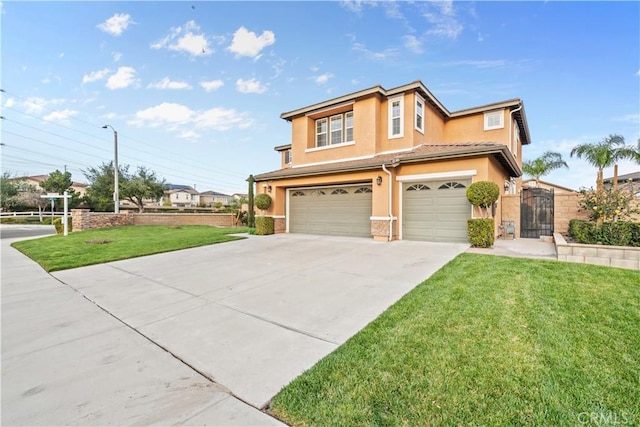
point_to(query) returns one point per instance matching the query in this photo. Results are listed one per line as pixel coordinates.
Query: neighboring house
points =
(181, 196)
(532, 183)
(209, 198)
(392, 164)
(626, 181)
(35, 180)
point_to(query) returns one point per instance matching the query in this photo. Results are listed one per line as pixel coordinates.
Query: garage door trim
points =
(313, 187)
(437, 176)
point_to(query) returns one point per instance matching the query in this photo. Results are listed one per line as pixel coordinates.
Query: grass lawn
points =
(112, 244)
(488, 341)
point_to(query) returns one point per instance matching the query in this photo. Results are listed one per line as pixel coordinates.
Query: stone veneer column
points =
(380, 229)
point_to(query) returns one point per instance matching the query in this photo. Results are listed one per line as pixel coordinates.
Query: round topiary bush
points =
(483, 194)
(262, 201)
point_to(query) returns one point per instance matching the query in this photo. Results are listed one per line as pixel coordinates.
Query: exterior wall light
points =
(379, 180)
(269, 188)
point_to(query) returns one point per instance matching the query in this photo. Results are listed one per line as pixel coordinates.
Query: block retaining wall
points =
(83, 219)
(215, 219)
(610, 256)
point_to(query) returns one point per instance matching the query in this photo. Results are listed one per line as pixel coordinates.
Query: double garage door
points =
(337, 211)
(435, 211)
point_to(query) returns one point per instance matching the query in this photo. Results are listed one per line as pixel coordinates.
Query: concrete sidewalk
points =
(65, 361)
(520, 248)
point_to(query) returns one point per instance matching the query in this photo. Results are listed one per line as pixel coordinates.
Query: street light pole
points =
(116, 195)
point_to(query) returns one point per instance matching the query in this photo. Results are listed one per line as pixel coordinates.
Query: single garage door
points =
(336, 211)
(435, 211)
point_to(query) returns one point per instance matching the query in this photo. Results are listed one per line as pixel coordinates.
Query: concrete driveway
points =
(252, 315)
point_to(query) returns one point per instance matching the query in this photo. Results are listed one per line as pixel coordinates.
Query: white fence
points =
(31, 213)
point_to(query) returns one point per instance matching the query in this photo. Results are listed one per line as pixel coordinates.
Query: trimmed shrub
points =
(57, 223)
(263, 201)
(483, 194)
(583, 231)
(264, 225)
(481, 232)
(618, 233)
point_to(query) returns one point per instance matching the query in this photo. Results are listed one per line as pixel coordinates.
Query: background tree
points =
(141, 186)
(29, 197)
(605, 153)
(59, 182)
(99, 195)
(543, 165)
(138, 187)
(8, 190)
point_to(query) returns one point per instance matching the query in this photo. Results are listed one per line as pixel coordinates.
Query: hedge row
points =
(619, 233)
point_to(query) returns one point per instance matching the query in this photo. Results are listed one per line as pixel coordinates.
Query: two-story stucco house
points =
(392, 164)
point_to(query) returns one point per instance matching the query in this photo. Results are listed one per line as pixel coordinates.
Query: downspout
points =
(384, 168)
(511, 127)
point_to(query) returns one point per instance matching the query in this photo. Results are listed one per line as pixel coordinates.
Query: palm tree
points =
(604, 154)
(543, 165)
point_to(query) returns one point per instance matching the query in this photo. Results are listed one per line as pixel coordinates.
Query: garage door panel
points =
(435, 211)
(339, 211)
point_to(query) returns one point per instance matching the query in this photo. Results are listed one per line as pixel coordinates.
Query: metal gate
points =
(536, 212)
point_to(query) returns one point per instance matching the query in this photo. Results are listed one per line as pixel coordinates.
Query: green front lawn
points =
(112, 244)
(487, 341)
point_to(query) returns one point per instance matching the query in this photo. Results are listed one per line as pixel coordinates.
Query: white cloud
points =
(95, 75)
(116, 56)
(166, 83)
(212, 85)
(124, 77)
(323, 78)
(60, 116)
(629, 118)
(372, 55)
(116, 24)
(9, 103)
(638, 73)
(412, 43)
(187, 38)
(250, 86)
(176, 116)
(166, 113)
(36, 105)
(497, 63)
(222, 119)
(247, 43)
(45, 81)
(442, 16)
(61, 55)
(352, 5)
(189, 134)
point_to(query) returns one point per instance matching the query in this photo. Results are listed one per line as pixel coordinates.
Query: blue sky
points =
(196, 89)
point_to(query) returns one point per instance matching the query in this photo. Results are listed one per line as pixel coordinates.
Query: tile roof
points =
(420, 153)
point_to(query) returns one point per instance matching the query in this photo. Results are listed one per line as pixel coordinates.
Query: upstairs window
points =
(336, 129)
(396, 117)
(288, 157)
(419, 114)
(494, 120)
(321, 133)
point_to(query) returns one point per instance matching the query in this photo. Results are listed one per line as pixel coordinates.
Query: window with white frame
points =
(419, 114)
(337, 129)
(396, 117)
(288, 157)
(321, 132)
(494, 120)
